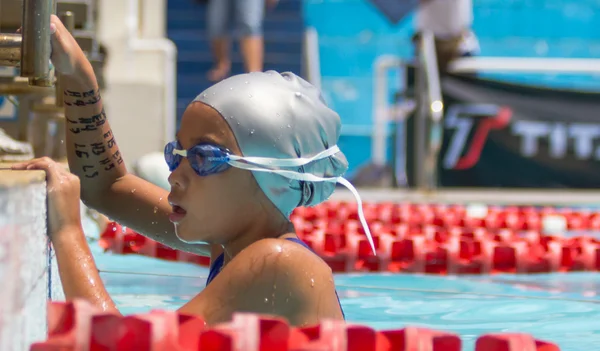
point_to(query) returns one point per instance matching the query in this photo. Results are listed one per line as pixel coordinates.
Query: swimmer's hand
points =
(67, 57)
(63, 194)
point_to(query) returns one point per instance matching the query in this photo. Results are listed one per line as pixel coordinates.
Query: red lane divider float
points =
(435, 239)
(78, 326)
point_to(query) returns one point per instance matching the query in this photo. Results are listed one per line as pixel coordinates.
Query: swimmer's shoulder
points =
(288, 263)
(270, 276)
(285, 254)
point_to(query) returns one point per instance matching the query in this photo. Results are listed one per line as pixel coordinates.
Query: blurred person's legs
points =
(450, 22)
(219, 15)
(249, 15)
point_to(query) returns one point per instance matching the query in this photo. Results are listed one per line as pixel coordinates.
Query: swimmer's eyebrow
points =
(200, 140)
(204, 139)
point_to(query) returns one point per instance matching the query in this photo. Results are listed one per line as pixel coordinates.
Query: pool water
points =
(562, 308)
(558, 307)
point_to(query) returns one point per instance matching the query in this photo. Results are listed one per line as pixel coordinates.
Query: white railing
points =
(382, 113)
(529, 64)
(312, 59)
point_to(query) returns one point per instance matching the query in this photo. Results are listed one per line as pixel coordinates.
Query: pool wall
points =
(28, 272)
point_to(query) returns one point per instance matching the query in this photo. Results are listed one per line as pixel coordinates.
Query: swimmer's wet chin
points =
(182, 237)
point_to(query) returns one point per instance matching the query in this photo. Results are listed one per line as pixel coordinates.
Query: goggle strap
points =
(290, 162)
(182, 153)
(313, 178)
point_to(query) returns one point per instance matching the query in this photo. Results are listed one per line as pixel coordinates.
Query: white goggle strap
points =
(182, 153)
(313, 178)
(288, 162)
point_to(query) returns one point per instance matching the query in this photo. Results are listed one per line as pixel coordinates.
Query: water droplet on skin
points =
(312, 282)
(266, 300)
(155, 210)
(251, 131)
(133, 191)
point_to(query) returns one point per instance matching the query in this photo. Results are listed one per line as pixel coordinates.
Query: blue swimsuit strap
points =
(216, 266)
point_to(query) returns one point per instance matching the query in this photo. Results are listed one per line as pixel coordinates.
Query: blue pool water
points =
(562, 308)
(556, 307)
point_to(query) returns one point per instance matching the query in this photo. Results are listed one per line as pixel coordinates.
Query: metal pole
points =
(10, 49)
(428, 123)
(434, 110)
(420, 125)
(68, 19)
(35, 46)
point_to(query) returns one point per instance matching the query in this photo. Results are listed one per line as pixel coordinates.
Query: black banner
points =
(504, 135)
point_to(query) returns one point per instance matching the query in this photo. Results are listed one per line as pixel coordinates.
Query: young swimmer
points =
(250, 149)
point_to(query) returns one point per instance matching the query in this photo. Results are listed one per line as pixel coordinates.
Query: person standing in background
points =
(451, 22)
(245, 18)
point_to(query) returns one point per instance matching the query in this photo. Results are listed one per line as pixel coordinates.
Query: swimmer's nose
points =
(175, 178)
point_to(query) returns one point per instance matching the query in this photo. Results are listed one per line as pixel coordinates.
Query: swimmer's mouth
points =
(178, 213)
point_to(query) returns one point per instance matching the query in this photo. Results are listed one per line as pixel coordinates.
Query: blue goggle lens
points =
(205, 159)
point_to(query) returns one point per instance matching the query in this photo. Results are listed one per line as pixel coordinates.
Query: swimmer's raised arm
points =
(94, 155)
